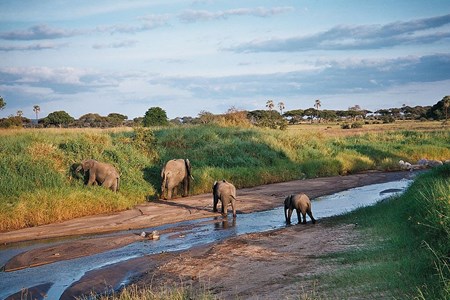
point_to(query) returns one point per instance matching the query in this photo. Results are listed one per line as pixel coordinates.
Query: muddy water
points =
(57, 277)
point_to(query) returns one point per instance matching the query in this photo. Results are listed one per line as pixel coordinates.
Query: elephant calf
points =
(226, 192)
(100, 173)
(300, 203)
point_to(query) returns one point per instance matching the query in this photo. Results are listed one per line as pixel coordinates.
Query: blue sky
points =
(191, 56)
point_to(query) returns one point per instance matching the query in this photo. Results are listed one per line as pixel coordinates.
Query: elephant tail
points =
(118, 183)
(164, 180)
(187, 163)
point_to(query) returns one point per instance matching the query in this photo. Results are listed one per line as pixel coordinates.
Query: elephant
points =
(100, 173)
(226, 192)
(300, 203)
(175, 172)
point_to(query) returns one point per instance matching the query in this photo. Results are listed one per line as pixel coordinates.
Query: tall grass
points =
(38, 184)
(133, 292)
(407, 245)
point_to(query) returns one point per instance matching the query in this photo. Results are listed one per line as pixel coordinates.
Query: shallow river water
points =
(184, 235)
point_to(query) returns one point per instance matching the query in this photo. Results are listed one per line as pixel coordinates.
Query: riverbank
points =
(395, 249)
(157, 213)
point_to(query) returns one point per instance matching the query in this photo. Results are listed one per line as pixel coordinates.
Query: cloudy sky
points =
(185, 56)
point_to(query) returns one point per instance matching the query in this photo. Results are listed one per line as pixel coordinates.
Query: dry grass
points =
(335, 130)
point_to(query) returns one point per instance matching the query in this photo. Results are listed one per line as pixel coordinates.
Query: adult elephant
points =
(103, 174)
(174, 173)
(301, 204)
(226, 193)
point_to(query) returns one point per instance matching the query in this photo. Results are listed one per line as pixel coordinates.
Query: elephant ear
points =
(88, 164)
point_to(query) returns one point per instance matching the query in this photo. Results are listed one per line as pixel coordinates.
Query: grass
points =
(38, 184)
(406, 245)
(133, 292)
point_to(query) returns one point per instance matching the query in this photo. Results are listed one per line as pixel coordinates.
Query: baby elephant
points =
(226, 192)
(300, 203)
(100, 173)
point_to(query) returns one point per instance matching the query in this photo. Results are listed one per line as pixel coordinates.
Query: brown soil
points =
(270, 265)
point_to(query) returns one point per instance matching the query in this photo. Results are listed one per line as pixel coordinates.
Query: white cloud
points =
(190, 15)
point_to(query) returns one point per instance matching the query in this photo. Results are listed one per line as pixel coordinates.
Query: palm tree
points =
(281, 107)
(317, 105)
(269, 104)
(36, 110)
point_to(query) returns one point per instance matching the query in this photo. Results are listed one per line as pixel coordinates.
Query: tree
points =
(281, 107)
(58, 118)
(206, 117)
(2, 103)
(36, 110)
(155, 116)
(269, 104)
(19, 113)
(439, 111)
(295, 115)
(446, 100)
(116, 119)
(264, 118)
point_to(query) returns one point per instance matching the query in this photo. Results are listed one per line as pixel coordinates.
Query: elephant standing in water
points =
(300, 203)
(100, 173)
(226, 192)
(175, 172)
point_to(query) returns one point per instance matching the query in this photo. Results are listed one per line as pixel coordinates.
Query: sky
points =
(186, 57)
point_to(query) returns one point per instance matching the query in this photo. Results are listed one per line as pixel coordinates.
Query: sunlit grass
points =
(37, 165)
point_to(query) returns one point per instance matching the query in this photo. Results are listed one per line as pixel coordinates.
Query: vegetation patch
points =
(406, 245)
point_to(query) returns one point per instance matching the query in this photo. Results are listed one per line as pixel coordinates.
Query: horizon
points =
(202, 55)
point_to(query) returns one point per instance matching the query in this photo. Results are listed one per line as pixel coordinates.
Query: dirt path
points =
(270, 265)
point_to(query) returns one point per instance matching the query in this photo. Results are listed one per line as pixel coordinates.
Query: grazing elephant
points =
(300, 203)
(175, 172)
(226, 192)
(100, 173)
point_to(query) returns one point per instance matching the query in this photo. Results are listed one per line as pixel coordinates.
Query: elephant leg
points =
(289, 216)
(107, 183)
(185, 187)
(298, 216)
(215, 201)
(233, 206)
(311, 216)
(92, 178)
(114, 185)
(175, 191)
(225, 206)
(304, 217)
(169, 193)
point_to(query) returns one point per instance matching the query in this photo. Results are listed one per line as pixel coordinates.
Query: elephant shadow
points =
(153, 176)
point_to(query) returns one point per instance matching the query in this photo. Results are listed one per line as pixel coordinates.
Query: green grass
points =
(38, 184)
(406, 247)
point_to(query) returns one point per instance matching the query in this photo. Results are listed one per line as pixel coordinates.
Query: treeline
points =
(270, 118)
